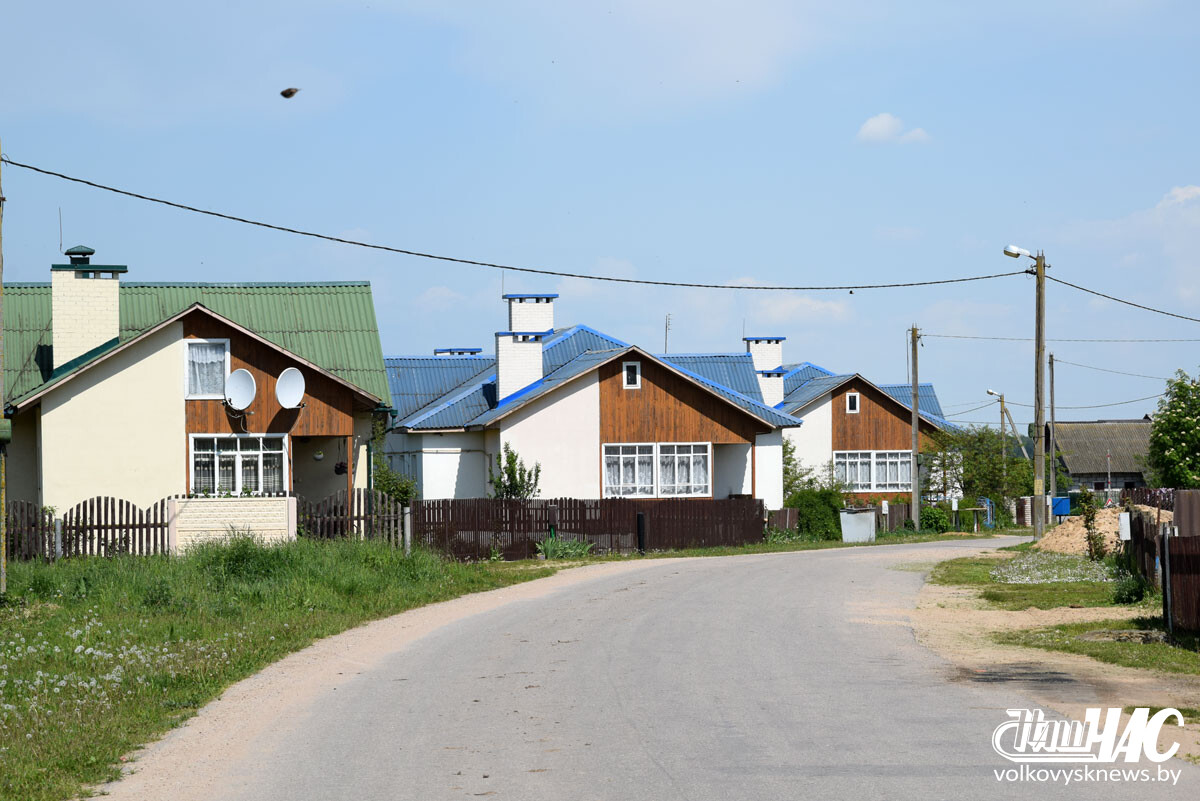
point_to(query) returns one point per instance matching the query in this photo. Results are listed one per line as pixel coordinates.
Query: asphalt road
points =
(768, 677)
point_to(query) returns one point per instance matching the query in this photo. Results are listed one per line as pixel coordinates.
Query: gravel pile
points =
(1071, 537)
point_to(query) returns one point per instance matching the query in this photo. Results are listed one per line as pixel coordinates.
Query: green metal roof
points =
(332, 325)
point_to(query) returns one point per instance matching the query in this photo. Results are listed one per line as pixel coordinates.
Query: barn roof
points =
(1083, 446)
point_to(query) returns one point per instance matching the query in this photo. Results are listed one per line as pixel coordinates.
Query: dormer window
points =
(852, 403)
(632, 375)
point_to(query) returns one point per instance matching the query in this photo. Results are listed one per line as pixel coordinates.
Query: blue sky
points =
(746, 142)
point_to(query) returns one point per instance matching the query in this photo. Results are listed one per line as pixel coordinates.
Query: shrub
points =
(557, 548)
(1130, 590)
(817, 512)
(1095, 540)
(934, 518)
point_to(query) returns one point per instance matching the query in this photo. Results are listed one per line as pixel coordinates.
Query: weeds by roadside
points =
(1183, 656)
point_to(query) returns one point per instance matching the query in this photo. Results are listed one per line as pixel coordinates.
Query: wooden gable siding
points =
(667, 408)
(328, 409)
(880, 425)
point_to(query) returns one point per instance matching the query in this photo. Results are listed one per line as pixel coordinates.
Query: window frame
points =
(656, 474)
(873, 459)
(188, 342)
(286, 451)
(625, 378)
(857, 404)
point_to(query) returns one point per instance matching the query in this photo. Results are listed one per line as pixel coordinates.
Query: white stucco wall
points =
(121, 436)
(561, 430)
(768, 468)
(23, 472)
(731, 470)
(814, 440)
(452, 465)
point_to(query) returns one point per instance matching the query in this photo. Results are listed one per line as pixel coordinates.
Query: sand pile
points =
(1071, 537)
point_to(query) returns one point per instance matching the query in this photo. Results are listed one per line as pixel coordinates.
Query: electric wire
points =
(1052, 339)
(1107, 370)
(494, 265)
(1093, 406)
(1122, 300)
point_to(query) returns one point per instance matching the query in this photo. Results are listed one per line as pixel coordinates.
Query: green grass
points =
(98, 656)
(976, 572)
(1184, 657)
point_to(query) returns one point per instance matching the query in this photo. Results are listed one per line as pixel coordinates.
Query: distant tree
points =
(1174, 454)
(511, 479)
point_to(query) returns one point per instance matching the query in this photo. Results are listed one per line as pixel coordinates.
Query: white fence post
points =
(406, 519)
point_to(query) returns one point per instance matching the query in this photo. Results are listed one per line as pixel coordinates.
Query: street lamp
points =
(1039, 358)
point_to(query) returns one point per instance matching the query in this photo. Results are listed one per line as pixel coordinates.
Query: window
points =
(238, 464)
(683, 469)
(207, 365)
(628, 470)
(633, 374)
(874, 471)
(665, 470)
(851, 403)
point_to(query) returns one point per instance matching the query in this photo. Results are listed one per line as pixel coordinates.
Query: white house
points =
(603, 418)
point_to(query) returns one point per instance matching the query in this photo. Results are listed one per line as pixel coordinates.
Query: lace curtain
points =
(206, 368)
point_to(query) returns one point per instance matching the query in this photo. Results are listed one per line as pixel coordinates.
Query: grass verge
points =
(1182, 657)
(976, 572)
(98, 656)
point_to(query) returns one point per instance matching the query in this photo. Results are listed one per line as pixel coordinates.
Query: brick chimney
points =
(85, 305)
(519, 349)
(767, 354)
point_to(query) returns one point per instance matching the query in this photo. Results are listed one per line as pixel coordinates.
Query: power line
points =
(1030, 339)
(1094, 406)
(1106, 370)
(493, 265)
(968, 411)
(1122, 300)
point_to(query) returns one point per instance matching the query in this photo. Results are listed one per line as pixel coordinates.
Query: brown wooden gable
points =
(667, 408)
(881, 423)
(328, 406)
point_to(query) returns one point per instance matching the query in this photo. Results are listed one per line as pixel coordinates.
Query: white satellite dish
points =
(240, 389)
(289, 388)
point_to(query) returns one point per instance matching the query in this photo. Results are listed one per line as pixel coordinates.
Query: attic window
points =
(851, 403)
(632, 375)
(207, 365)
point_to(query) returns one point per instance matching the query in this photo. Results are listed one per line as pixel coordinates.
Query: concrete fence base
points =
(196, 520)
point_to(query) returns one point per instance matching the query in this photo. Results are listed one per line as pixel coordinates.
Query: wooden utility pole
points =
(1017, 434)
(3, 441)
(1003, 452)
(1039, 401)
(916, 442)
(1053, 447)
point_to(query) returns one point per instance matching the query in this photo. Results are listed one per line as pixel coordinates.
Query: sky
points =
(751, 142)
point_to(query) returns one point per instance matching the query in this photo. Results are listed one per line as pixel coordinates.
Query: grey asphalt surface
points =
(763, 677)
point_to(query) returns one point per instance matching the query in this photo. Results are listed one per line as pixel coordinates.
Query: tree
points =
(511, 479)
(973, 461)
(1174, 454)
(383, 478)
(795, 475)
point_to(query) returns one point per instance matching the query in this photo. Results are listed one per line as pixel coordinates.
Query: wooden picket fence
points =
(366, 514)
(478, 528)
(100, 526)
(30, 531)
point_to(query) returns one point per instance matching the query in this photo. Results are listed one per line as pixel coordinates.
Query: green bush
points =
(557, 548)
(935, 518)
(1130, 590)
(818, 512)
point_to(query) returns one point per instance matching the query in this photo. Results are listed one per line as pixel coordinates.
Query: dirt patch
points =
(1071, 537)
(958, 625)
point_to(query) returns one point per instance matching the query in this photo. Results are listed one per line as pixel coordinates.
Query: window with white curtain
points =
(874, 471)
(663, 470)
(238, 464)
(207, 364)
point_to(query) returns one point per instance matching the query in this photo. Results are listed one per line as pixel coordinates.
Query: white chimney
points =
(457, 351)
(767, 354)
(85, 305)
(519, 349)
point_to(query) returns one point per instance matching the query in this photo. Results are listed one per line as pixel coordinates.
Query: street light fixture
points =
(1016, 252)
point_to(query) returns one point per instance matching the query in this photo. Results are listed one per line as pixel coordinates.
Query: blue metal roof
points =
(754, 407)
(797, 375)
(417, 381)
(927, 401)
(814, 388)
(732, 370)
(567, 343)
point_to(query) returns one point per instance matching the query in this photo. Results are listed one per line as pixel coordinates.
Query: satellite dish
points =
(289, 388)
(240, 389)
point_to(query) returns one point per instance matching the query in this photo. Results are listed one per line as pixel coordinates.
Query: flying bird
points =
(290, 92)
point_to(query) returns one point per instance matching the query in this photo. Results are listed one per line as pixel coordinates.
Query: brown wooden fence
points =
(1142, 548)
(478, 527)
(100, 526)
(1147, 496)
(1181, 582)
(30, 532)
(369, 514)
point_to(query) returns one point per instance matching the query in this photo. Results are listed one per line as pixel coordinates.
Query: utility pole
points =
(1039, 401)
(3, 422)
(1017, 434)
(916, 443)
(1003, 452)
(1053, 446)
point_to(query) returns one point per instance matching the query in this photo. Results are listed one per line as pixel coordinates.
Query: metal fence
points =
(477, 528)
(370, 514)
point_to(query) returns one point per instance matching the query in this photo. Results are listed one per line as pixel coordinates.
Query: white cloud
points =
(440, 298)
(798, 310)
(1178, 195)
(887, 127)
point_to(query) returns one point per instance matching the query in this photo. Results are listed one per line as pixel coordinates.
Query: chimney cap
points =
(520, 296)
(443, 351)
(763, 339)
(80, 250)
